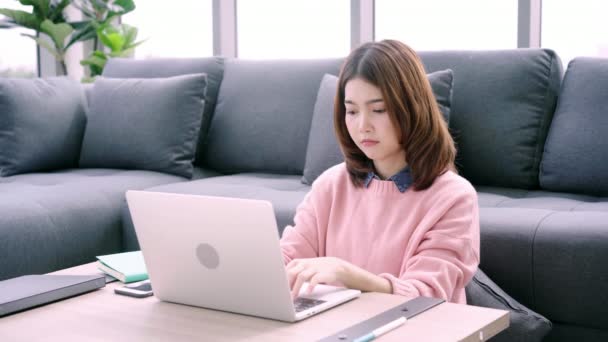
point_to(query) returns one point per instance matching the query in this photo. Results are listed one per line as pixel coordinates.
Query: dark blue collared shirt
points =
(402, 179)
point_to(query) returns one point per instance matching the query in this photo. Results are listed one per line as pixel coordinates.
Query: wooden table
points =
(104, 316)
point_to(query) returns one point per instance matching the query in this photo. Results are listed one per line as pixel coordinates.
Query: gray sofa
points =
(533, 143)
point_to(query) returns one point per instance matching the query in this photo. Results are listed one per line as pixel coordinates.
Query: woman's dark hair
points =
(397, 71)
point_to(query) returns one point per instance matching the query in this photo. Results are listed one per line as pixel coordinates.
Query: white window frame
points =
(362, 29)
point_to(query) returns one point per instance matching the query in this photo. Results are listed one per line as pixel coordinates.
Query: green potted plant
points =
(98, 13)
(47, 18)
(119, 42)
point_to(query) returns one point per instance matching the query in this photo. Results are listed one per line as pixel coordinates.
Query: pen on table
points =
(382, 330)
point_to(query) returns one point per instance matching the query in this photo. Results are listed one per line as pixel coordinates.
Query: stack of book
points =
(127, 267)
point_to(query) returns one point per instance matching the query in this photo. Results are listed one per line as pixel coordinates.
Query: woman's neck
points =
(385, 170)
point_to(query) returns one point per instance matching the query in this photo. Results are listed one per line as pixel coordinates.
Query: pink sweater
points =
(426, 243)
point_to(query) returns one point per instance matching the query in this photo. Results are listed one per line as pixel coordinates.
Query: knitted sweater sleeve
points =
(447, 256)
(305, 238)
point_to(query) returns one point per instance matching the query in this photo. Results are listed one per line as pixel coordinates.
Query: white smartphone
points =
(139, 290)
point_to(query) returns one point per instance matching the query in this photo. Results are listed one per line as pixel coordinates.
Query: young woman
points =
(394, 217)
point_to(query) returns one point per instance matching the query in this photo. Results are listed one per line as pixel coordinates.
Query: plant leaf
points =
(41, 7)
(85, 9)
(57, 32)
(130, 33)
(7, 24)
(78, 25)
(95, 60)
(45, 44)
(84, 34)
(111, 37)
(134, 45)
(120, 7)
(22, 18)
(56, 11)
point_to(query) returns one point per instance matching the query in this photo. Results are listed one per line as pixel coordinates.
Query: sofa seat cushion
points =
(507, 249)
(538, 199)
(557, 248)
(201, 172)
(285, 192)
(569, 265)
(50, 221)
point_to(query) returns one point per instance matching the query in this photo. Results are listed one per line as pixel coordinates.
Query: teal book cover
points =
(127, 267)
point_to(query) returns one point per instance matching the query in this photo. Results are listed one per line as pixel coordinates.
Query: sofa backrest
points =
(502, 105)
(575, 157)
(258, 112)
(167, 67)
(263, 115)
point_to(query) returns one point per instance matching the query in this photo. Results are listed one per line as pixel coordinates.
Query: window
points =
(448, 25)
(575, 29)
(18, 56)
(183, 28)
(293, 29)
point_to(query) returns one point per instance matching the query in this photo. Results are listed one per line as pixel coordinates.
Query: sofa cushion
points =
(213, 67)
(511, 232)
(575, 153)
(442, 83)
(323, 150)
(48, 222)
(551, 238)
(41, 124)
(146, 124)
(502, 104)
(525, 324)
(563, 332)
(285, 192)
(570, 258)
(539, 199)
(263, 115)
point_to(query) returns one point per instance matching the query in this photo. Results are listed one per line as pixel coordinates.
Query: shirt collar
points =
(402, 179)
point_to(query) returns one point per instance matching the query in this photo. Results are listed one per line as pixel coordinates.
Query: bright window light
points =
(18, 56)
(575, 29)
(448, 25)
(293, 29)
(181, 28)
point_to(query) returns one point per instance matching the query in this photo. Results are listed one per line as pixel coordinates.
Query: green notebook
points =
(126, 267)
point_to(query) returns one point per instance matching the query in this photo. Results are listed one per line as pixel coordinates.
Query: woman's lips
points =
(369, 143)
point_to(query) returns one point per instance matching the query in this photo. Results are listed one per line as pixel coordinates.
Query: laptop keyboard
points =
(302, 304)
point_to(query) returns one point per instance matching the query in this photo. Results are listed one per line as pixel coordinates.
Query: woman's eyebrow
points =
(374, 101)
(366, 102)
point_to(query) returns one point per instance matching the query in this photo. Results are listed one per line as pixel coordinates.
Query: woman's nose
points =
(364, 123)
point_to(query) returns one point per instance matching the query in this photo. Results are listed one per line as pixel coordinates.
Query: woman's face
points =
(369, 124)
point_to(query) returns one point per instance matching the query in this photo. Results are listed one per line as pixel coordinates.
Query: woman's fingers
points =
(320, 278)
(293, 269)
(300, 279)
(314, 281)
(292, 263)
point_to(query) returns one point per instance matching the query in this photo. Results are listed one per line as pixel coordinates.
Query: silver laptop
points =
(221, 253)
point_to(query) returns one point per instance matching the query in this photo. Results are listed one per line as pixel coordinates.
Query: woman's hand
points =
(315, 271)
(331, 270)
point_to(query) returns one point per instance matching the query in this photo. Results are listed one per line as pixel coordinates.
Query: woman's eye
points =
(380, 111)
(350, 112)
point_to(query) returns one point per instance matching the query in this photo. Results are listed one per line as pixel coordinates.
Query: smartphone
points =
(138, 290)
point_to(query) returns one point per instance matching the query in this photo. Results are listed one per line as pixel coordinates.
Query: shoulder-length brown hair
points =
(397, 71)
